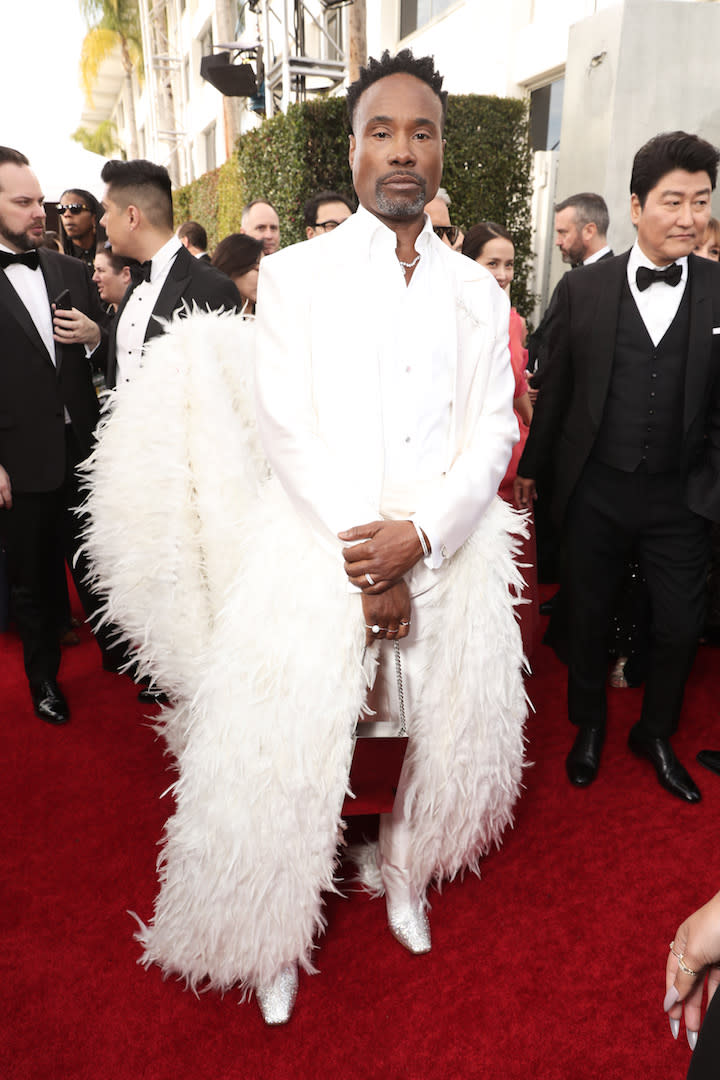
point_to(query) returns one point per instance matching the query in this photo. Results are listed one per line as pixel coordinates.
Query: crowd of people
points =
(377, 448)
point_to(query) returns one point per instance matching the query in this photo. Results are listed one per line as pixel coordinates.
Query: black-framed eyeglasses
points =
(327, 226)
(72, 208)
(451, 231)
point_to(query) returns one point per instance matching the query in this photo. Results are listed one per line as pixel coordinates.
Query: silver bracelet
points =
(421, 538)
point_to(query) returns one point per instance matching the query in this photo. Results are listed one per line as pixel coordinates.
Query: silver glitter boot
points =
(276, 1000)
(406, 913)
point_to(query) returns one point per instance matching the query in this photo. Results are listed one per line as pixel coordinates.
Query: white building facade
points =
(518, 48)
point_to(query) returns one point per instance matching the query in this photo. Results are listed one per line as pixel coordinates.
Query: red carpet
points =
(550, 967)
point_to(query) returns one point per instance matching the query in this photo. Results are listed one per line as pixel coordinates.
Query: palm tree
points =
(102, 140)
(113, 24)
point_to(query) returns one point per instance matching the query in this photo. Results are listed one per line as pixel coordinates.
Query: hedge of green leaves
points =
(287, 158)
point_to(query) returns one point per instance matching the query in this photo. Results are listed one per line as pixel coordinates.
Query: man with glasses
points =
(438, 212)
(324, 211)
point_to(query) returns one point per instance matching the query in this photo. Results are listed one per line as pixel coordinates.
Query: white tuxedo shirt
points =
(322, 324)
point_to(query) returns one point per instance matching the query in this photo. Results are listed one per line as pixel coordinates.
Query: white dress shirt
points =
(136, 315)
(597, 255)
(416, 370)
(30, 287)
(658, 305)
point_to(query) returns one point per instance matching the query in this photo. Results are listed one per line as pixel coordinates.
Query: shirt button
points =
(407, 438)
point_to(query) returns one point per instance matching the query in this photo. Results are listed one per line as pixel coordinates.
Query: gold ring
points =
(683, 967)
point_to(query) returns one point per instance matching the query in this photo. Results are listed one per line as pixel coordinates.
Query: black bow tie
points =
(645, 277)
(27, 258)
(141, 272)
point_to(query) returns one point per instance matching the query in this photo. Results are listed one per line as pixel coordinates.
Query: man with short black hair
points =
(260, 219)
(376, 538)
(324, 211)
(138, 220)
(193, 236)
(630, 413)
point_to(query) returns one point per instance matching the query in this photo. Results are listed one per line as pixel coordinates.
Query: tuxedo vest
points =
(642, 423)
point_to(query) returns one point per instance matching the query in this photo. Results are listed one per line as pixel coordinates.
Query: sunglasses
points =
(451, 231)
(74, 208)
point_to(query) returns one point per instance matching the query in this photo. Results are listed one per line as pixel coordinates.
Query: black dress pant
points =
(705, 1062)
(612, 514)
(37, 526)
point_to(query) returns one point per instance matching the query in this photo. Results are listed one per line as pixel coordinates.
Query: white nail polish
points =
(674, 1027)
(670, 998)
(692, 1037)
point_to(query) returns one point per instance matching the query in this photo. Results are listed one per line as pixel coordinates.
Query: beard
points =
(400, 207)
(23, 241)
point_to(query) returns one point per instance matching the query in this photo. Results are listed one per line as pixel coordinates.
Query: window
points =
(546, 115)
(334, 27)
(415, 13)
(209, 137)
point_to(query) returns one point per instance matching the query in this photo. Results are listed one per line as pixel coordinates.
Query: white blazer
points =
(318, 387)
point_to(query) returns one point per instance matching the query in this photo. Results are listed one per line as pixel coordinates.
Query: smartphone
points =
(62, 301)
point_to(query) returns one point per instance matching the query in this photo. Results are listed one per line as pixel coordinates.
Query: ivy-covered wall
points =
(486, 173)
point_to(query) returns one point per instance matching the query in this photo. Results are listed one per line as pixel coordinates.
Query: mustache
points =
(405, 173)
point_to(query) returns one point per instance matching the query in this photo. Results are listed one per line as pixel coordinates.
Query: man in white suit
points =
(384, 395)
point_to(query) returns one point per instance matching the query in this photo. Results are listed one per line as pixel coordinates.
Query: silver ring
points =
(375, 628)
(404, 622)
(369, 579)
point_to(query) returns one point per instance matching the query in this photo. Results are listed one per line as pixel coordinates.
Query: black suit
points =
(190, 281)
(606, 509)
(39, 451)
(545, 531)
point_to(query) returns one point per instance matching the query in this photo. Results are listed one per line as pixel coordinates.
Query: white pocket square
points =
(716, 329)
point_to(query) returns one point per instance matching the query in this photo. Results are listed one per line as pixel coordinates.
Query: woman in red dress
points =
(491, 245)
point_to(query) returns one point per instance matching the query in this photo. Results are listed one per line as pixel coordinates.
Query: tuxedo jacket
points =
(35, 392)
(190, 282)
(570, 405)
(318, 383)
(538, 340)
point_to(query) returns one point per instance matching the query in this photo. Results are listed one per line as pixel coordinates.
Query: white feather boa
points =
(246, 620)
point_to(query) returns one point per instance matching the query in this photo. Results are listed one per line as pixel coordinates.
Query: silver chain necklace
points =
(410, 265)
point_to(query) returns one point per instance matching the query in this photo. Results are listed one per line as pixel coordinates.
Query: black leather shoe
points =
(48, 702)
(583, 761)
(153, 695)
(672, 775)
(710, 759)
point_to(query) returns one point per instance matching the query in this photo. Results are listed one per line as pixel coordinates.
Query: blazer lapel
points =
(600, 346)
(17, 310)
(699, 338)
(175, 286)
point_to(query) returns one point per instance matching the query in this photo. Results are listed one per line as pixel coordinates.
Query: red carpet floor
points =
(550, 967)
